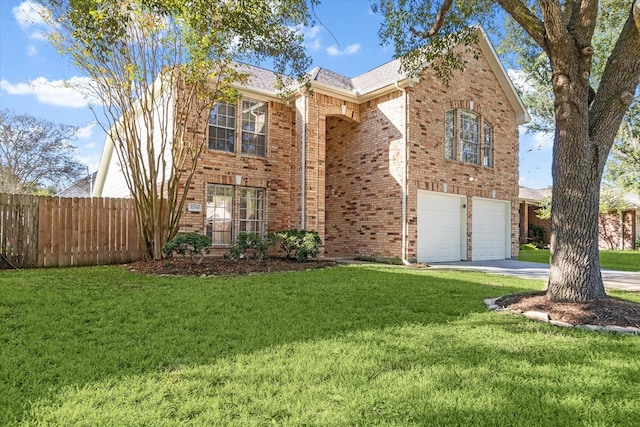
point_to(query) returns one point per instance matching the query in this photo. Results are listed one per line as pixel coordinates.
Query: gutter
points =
(403, 248)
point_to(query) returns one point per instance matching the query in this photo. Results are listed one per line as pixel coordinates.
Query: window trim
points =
(487, 155)
(243, 221)
(211, 232)
(238, 220)
(233, 129)
(457, 138)
(261, 146)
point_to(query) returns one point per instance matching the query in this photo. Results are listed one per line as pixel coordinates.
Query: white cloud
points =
(28, 14)
(86, 132)
(39, 35)
(312, 39)
(32, 50)
(61, 93)
(333, 50)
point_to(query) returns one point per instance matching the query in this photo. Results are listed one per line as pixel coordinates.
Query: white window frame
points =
(220, 213)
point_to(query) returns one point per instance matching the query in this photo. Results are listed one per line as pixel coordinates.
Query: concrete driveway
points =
(623, 280)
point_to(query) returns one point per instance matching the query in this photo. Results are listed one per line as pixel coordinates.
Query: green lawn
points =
(610, 260)
(347, 346)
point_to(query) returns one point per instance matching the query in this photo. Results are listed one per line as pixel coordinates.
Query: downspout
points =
(404, 174)
(304, 161)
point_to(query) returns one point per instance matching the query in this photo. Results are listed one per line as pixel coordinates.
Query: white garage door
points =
(441, 227)
(490, 230)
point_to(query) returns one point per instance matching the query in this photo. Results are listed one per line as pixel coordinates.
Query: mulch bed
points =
(180, 266)
(606, 312)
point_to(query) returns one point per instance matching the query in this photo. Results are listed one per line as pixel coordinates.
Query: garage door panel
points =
(439, 227)
(489, 230)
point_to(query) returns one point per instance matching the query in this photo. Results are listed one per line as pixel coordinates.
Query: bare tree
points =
(36, 155)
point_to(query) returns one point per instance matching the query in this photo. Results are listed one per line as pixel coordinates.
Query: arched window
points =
(464, 140)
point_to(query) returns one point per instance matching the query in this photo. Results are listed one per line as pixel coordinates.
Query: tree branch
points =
(619, 81)
(437, 24)
(524, 16)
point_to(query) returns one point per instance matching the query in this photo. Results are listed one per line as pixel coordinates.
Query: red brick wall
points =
(478, 90)
(274, 173)
(616, 231)
(364, 193)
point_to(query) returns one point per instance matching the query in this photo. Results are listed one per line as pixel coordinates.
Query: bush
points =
(537, 233)
(251, 244)
(188, 244)
(299, 244)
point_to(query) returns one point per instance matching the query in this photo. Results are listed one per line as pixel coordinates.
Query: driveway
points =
(623, 280)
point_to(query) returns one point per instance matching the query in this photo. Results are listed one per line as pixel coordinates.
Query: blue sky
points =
(345, 40)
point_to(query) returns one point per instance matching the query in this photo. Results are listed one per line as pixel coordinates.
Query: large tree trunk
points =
(586, 126)
(574, 273)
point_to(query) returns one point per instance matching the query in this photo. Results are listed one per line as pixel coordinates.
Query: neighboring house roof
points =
(81, 188)
(532, 195)
(633, 200)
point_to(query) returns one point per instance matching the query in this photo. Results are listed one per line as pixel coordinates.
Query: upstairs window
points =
(488, 146)
(450, 145)
(254, 128)
(463, 140)
(222, 127)
(469, 137)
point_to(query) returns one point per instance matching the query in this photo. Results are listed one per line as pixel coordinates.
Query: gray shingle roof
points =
(531, 194)
(264, 80)
(385, 73)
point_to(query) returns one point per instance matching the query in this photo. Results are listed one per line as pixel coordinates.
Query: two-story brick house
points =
(381, 165)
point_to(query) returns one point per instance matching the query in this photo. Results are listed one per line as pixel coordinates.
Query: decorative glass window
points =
(252, 211)
(220, 213)
(222, 127)
(450, 146)
(488, 146)
(469, 137)
(463, 139)
(254, 128)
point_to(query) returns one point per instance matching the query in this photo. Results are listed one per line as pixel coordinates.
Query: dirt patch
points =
(606, 312)
(209, 266)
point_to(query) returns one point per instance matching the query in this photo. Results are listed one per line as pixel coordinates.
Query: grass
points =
(609, 259)
(347, 346)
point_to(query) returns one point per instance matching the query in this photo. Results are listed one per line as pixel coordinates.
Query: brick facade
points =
(336, 163)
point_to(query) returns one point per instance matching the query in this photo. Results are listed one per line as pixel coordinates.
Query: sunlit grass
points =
(345, 346)
(610, 260)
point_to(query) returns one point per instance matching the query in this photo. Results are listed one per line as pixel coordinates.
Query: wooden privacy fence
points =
(37, 231)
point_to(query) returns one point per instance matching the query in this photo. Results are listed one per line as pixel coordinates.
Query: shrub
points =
(251, 244)
(299, 244)
(188, 244)
(537, 233)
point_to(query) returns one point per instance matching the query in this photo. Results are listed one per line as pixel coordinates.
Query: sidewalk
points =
(622, 280)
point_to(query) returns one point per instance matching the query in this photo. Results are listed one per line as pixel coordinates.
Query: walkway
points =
(623, 280)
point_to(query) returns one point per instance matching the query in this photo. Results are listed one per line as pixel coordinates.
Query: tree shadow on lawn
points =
(480, 370)
(76, 339)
